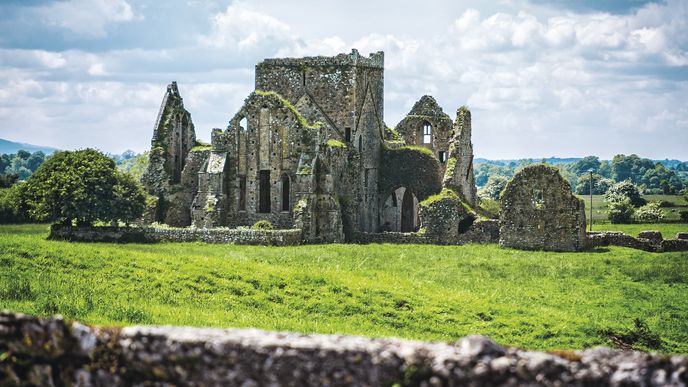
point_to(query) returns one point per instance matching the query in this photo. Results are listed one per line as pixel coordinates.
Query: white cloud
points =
(538, 83)
(88, 18)
(242, 28)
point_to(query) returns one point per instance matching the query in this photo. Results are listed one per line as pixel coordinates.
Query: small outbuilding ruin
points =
(539, 212)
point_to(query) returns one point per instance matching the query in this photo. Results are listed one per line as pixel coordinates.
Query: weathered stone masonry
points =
(51, 351)
(309, 149)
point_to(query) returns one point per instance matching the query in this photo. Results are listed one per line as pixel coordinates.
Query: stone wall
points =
(539, 212)
(153, 235)
(482, 231)
(51, 351)
(655, 242)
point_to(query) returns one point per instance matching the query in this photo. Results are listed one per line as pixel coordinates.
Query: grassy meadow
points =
(535, 300)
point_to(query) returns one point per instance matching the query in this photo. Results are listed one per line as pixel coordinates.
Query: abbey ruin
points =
(309, 149)
(309, 152)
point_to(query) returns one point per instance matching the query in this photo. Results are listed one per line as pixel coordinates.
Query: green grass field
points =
(535, 300)
(599, 207)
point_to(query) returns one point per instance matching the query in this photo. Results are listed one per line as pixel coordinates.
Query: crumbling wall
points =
(173, 137)
(539, 212)
(50, 351)
(459, 174)
(445, 216)
(411, 128)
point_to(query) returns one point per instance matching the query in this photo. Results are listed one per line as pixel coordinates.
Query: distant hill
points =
(9, 147)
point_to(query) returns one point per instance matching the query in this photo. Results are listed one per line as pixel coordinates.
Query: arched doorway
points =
(408, 212)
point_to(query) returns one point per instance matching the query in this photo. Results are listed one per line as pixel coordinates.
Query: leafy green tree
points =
(135, 165)
(6, 181)
(78, 186)
(129, 201)
(24, 155)
(620, 211)
(585, 164)
(12, 208)
(600, 185)
(625, 189)
(493, 188)
(35, 160)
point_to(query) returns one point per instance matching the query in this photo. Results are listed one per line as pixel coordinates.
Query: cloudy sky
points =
(542, 78)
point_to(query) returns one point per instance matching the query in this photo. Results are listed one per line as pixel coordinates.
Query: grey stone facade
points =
(307, 150)
(51, 351)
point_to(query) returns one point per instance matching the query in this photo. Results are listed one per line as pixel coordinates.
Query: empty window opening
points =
(394, 199)
(243, 124)
(360, 143)
(347, 134)
(408, 212)
(264, 203)
(465, 224)
(427, 133)
(443, 157)
(303, 78)
(242, 193)
(538, 199)
(285, 193)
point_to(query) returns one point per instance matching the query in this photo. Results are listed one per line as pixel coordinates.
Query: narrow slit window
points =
(264, 184)
(347, 134)
(427, 133)
(285, 193)
(443, 157)
(242, 193)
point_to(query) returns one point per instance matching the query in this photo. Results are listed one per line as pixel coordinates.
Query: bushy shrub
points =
(649, 213)
(262, 225)
(625, 189)
(620, 211)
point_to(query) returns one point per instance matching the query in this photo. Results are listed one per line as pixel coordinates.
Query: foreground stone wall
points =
(152, 235)
(51, 351)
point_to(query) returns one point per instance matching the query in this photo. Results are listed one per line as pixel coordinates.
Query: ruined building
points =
(309, 149)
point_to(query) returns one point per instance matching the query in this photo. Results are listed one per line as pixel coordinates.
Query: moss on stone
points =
(263, 225)
(420, 149)
(302, 120)
(332, 143)
(201, 148)
(446, 193)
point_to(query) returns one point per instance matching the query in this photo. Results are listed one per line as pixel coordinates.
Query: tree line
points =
(651, 177)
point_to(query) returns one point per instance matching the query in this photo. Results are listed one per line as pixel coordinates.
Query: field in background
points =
(599, 207)
(535, 300)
